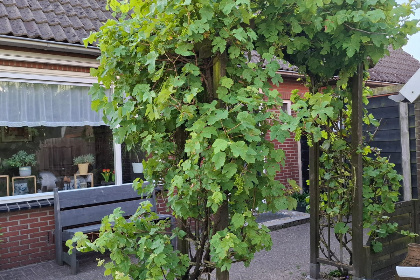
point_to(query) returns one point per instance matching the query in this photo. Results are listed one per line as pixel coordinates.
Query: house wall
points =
(388, 134)
(27, 237)
(292, 168)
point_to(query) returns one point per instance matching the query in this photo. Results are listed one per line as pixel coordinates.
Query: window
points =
(53, 121)
(54, 149)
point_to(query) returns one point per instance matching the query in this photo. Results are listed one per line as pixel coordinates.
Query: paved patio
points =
(288, 259)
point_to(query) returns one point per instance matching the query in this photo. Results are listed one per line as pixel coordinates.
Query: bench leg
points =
(74, 263)
(59, 253)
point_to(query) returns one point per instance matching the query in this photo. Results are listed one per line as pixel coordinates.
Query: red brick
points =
(18, 217)
(38, 225)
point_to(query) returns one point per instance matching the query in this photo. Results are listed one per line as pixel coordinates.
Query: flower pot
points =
(83, 168)
(411, 260)
(137, 167)
(25, 171)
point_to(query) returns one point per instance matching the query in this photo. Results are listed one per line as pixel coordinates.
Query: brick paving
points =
(288, 259)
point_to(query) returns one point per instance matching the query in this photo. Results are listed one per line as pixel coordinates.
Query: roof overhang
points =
(48, 45)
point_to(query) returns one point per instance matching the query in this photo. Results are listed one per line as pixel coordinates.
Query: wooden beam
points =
(386, 90)
(314, 210)
(405, 151)
(357, 162)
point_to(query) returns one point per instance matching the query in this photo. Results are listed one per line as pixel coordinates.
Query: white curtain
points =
(31, 104)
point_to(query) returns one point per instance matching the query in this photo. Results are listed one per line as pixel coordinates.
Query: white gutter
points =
(48, 45)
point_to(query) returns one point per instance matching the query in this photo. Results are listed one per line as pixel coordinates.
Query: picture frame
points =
(15, 134)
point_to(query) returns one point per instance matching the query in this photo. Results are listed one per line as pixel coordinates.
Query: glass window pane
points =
(54, 149)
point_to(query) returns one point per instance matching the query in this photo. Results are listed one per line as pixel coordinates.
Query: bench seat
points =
(82, 211)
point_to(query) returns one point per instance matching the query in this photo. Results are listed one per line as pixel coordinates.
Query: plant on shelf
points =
(83, 162)
(137, 154)
(108, 175)
(24, 161)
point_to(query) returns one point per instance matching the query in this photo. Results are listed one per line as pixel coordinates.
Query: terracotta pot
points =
(83, 168)
(412, 259)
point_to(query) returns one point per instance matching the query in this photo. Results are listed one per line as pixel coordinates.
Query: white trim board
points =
(34, 75)
(48, 58)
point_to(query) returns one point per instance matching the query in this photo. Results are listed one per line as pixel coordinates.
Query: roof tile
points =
(21, 4)
(69, 10)
(9, 2)
(45, 30)
(76, 23)
(91, 14)
(102, 16)
(60, 20)
(72, 35)
(59, 34)
(95, 5)
(80, 11)
(52, 19)
(3, 11)
(5, 27)
(84, 3)
(26, 14)
(17, 27)
(81, 33)
(39, 16)
(34, 5)
(58, 9)
(46, 5)
(88, 24)
(13, 12)
(397, 67)
(64, 20)
(32, 29)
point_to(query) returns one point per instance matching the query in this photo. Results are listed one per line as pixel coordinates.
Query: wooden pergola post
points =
(314, 209)
(357, 162)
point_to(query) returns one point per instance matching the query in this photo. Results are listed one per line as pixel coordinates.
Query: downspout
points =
(48, 45)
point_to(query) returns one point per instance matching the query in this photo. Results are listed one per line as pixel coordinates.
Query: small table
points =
(23, 177)
(7, 182)
(87, 174)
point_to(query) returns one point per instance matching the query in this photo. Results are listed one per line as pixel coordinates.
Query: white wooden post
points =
(118, 164)
(405, 151)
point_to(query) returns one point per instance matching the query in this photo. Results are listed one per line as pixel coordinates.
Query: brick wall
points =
(290, 170)
(27, 237)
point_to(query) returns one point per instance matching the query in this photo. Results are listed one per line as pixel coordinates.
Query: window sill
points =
(26, 202)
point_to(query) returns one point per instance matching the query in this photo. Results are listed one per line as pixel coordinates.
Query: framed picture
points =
(15, 134)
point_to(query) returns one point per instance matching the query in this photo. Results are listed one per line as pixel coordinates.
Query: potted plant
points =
(24, 161)
(83, 162)
(108, 176)
(302, 200)
(137, 154)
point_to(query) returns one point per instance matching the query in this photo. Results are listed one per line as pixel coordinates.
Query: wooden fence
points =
(382, 265)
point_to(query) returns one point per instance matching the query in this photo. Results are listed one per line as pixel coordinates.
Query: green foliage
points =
(140, 237)
(88, 158)
(329, 123)
(186, 90)
(22, 159)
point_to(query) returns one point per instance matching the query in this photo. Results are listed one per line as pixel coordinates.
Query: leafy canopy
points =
(190, 82)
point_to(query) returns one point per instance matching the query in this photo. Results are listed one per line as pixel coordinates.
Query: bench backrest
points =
(90, 205)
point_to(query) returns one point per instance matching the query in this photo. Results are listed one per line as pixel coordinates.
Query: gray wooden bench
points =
(82, 211)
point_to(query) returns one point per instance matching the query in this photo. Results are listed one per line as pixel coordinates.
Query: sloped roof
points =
(68, 21)
(398, 67)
